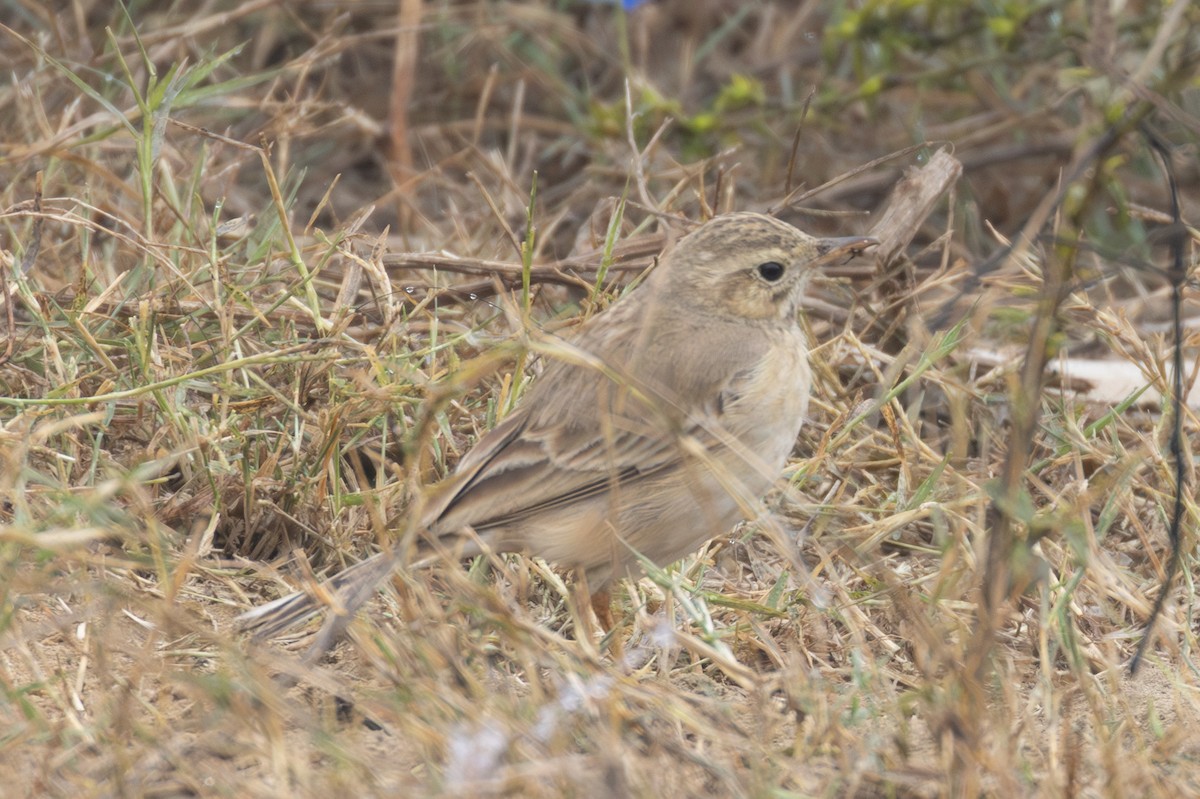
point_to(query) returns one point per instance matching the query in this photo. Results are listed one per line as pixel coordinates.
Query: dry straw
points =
(241, 334)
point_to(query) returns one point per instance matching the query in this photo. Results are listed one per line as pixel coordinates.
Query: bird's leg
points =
(600, 620)
(602, 607)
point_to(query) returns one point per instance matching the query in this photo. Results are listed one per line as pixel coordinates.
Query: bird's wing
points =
(581, 432)
(529, 464)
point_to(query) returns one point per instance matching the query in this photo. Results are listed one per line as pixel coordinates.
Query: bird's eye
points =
(771, 271)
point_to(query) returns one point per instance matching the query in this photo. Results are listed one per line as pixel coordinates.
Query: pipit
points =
(657, 429)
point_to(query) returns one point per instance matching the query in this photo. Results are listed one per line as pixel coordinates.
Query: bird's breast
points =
(771, 399)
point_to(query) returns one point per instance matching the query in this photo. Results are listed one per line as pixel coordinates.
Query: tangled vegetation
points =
(269, 269)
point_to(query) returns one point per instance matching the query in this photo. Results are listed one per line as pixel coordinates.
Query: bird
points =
(657, 428)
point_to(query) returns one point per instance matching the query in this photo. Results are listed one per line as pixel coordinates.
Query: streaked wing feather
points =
(529, 475)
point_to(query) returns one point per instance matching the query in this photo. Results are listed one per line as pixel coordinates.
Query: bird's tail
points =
(343, 594)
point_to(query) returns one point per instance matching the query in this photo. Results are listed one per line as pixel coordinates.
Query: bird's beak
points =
(848, 247)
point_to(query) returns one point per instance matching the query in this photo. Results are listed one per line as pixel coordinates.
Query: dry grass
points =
(268, 270)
